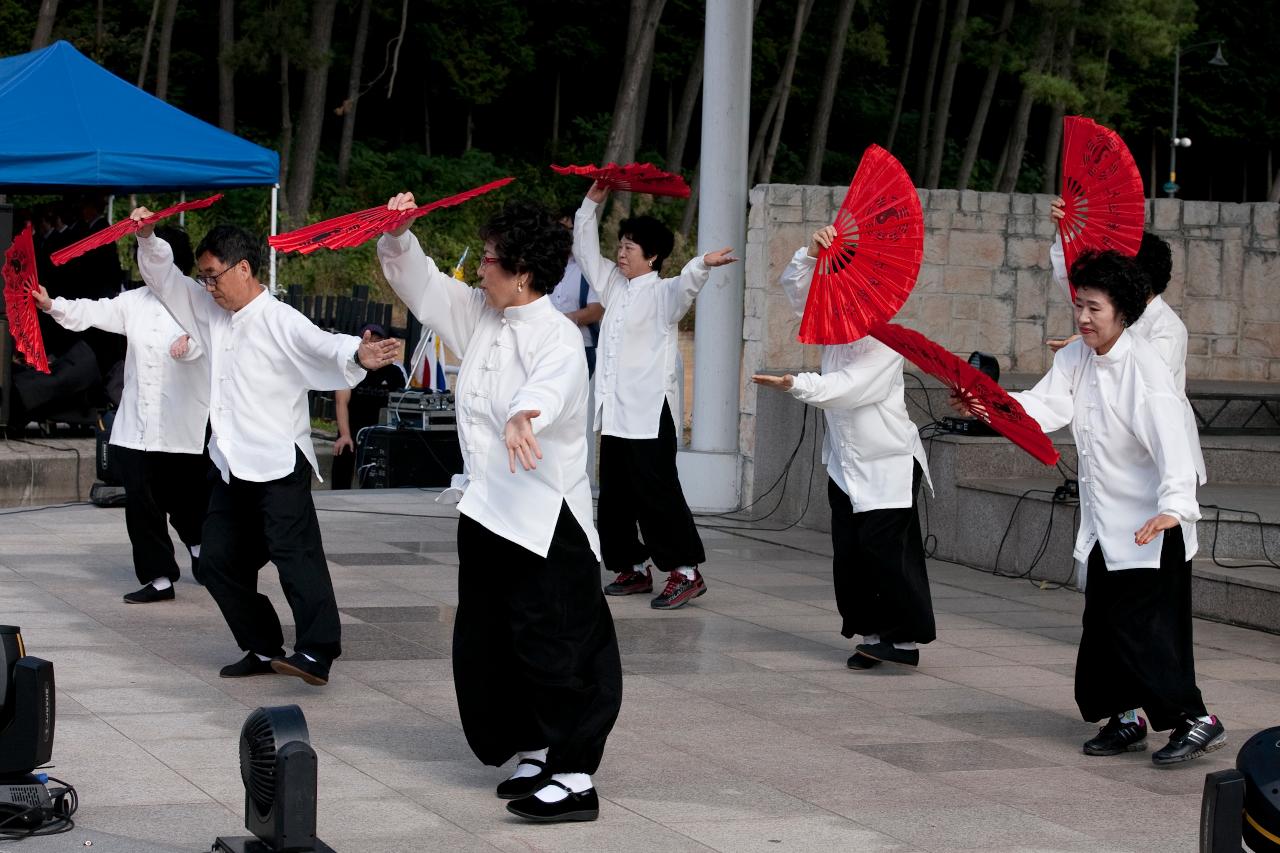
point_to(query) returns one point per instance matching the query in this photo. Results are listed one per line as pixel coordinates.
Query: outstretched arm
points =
(77, 315)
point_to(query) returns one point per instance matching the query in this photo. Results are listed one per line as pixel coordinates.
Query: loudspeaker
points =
(26, 741)
(390, 458)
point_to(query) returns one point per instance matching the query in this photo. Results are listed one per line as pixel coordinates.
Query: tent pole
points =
(275, 201)
(182, 214)
(111, 209)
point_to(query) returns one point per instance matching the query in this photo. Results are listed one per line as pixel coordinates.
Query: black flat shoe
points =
(300, 666)
(584, 806)
(248, 665)
(518, 787)
(884, 651)
(149, 594)
(860, 661)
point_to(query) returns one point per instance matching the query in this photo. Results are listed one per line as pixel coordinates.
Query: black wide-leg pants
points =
(882, 585)
(535, 657)
(250, 524)
(1136, 649)
(639, 485)
(157, 485)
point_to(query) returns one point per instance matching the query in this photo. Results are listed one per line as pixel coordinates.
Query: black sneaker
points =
(1191, 740)
(680, 590)
(631, 583)
(861, 661)
(149, 594)
(584, 806)
(1117, 737)
(248, 665)
(888, 653)
(299, 665)
(195, 571)
(517, 788)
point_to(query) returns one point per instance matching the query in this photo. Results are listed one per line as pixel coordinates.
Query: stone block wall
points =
(985, 284)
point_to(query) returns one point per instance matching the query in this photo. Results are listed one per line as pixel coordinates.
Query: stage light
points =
(278, 768)
(26, 707)
(1244, 804)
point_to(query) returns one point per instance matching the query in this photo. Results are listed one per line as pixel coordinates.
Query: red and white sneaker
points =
(680, 590)
(631, 583)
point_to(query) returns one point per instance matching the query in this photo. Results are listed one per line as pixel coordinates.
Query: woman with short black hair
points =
(1138, 514)
(535, 658)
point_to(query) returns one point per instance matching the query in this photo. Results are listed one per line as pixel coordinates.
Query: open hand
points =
(720, 258)
(401, 201)
(777, 383)
(1148, 531)
(822, 239)
(180, 345)
(41, 297)
(343, 444)
(375, 354)
(1058, 209)
(599, 192)
(969, 408)
(139, 214)
(1058, 344)
(521, 442)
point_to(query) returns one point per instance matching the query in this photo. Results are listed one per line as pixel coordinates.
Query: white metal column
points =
(275, 206)
(709, 469)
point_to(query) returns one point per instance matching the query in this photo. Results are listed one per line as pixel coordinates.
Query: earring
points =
(650, 264)
(520, 286)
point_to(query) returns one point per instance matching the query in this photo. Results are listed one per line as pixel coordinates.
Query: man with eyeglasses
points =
(263, 357)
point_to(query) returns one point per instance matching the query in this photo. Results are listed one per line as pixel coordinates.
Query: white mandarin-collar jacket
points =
(638, 351)
(1164, 330)
(165, 401)
(262, 361)
(870, 441)
(1134, 458)
(525, 357)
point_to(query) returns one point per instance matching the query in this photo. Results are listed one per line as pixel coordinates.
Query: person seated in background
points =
(358, 407)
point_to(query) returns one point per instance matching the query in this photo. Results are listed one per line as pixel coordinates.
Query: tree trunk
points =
(926, 101)
(286, 134)
(1001, 164)
(827, 95)
(311, 114)
(803, 8)
(690, 206)
(944, 93)
(226, 71)
(902, 79)
(164, 50)
(98, 34)
(426, 122)
(44, 24)
(1022, 114)
(641, 30)
(628, 152)
(146, 44)
(353, 94)
(1053, 136)
(684, 116)
(985, 98)
(470, 126)
(555, 117)
(762, 130)
(1274, 195)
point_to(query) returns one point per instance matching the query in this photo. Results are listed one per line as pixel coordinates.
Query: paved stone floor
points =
(741, 728)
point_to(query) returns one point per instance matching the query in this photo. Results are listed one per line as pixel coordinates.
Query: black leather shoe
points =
(1191, 740)
(860, 661)
(884, 651)
(584, 806)
(195, 570)
(1117, 737)
(300, 666)
(149, 594)
(248, 665)
(516, 788)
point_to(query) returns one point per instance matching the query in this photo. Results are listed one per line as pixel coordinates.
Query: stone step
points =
(1246, 595)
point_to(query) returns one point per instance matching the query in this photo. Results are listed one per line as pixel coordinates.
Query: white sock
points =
(870, 639)
(1129, 716)
(908, 646)
(576, 782)
(1206, 719)
(162, 583)
(195, 551)
(262, 658)
(522, 770)
(690, 572)
(639, 568)
(307, 656)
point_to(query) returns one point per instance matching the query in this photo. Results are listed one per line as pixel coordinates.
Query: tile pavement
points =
(741, 729)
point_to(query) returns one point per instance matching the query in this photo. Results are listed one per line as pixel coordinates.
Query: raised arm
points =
(186, 301)
(601, 273)
(798, 275)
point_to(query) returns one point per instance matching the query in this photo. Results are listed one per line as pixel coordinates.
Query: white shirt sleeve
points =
(1051, 403)
(325, 361)
(678, 293)
(1158, 426)
(871, 378)
(599, 270)
(188, 302)
(110, 315)
(554, 372)
(796, 279)
(449, 307)
(1171, 346)
(1058, 260)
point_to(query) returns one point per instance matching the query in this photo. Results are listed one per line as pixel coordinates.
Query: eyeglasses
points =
(211, 280)
(486, 260)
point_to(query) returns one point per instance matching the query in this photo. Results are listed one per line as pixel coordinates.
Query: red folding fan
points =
(633, 177)
(985, 399)
(19, 304)
(1102, 189)
(867, 273)
(112, 233)
(352, 229)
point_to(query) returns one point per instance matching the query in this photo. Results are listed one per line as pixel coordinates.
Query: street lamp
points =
(1176, 142)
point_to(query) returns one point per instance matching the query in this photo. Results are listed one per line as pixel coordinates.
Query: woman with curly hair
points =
(535, 657)
(1138, 514)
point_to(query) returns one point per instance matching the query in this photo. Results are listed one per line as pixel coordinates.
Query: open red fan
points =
(352, 229)
(19, 304)
(867, 273)
(633, 177)
(112, 233)
(986, 400)
(1102, 189)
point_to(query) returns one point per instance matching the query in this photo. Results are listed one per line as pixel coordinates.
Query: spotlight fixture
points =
(1243, 804)
(278, 768)
(26, 707)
